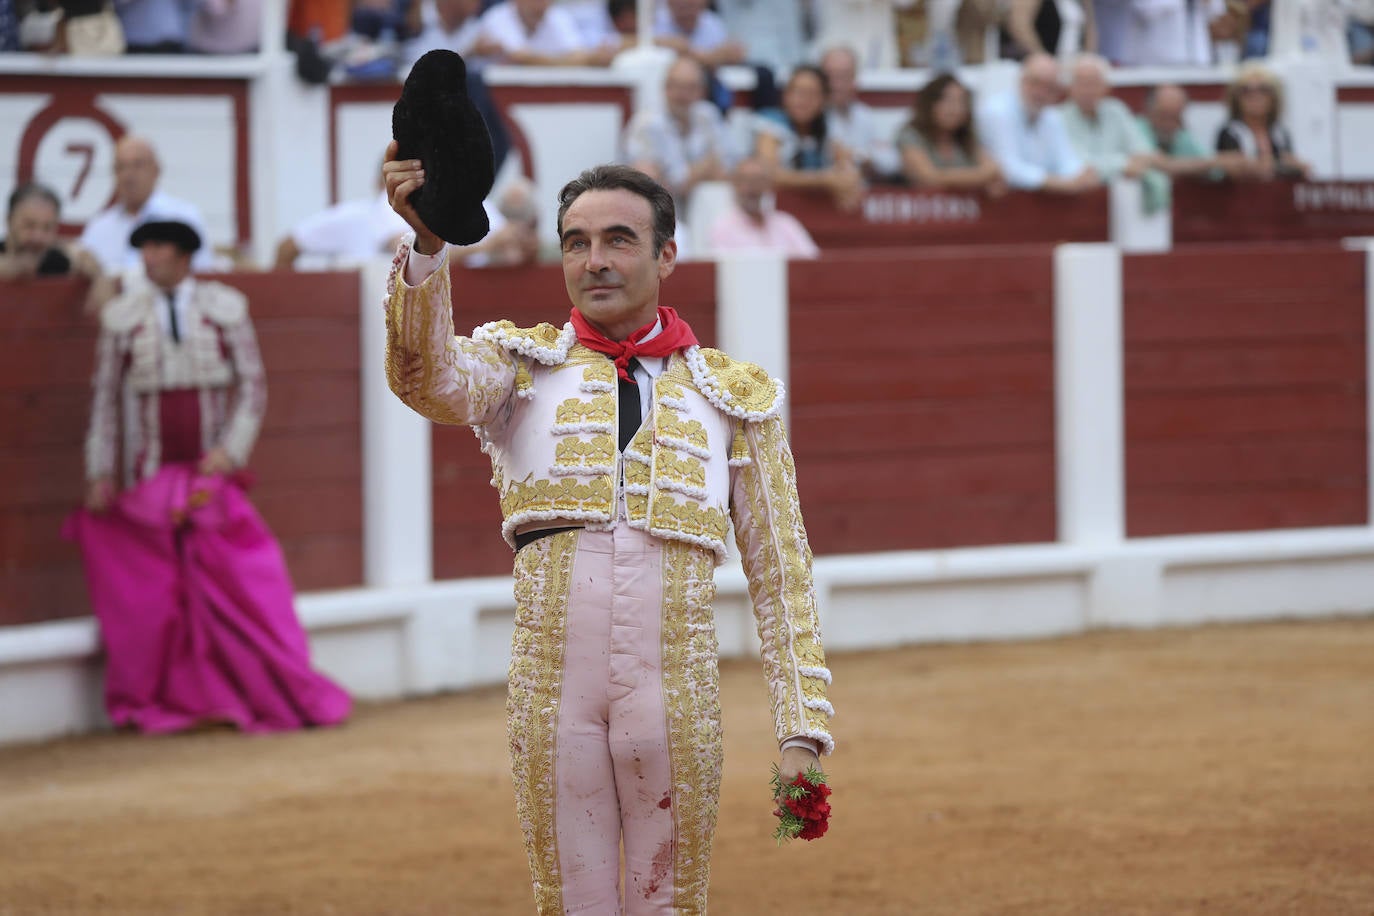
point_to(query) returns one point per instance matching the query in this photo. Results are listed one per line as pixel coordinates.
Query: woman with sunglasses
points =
(1253, 145)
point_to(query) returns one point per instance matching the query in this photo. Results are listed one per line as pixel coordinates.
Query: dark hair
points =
(624, 178)
(816, 130)
(615, 7)
(28, 192)
(923, 113)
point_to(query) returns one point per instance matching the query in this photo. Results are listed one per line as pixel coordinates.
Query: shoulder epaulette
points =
(544, 342)
(741, 389)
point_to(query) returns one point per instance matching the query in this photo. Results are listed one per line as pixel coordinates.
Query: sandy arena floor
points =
(1217, 770)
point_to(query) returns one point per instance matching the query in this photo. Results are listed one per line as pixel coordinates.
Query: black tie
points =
(631, 415)
(172, 311)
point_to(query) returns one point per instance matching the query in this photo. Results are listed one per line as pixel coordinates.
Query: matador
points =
(622, 451)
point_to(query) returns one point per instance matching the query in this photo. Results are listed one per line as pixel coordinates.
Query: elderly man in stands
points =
(534, 33)
(751, 224)
(1178, 152)
(446, 24)
(136, 171)
(852, 123)
(686, 143)
(1026, 135)
(1105, 133)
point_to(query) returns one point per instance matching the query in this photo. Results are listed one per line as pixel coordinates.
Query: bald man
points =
(1027, 136)
(136, 171)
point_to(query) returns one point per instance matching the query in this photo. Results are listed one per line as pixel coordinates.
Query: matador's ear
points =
(435, 121)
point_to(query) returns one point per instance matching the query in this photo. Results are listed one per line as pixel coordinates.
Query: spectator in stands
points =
(446, 24)
(533, 33)
(349, 232)
(939, 146)
(225, 27)
(1168, 33)
(1105, 133)
(354, 231)
(189, 586)
(867, 26)
(31, 247)
(687, 142)
(772, 31)
(852, 123)
(751, 224)
(1180, 153)
(136, 170)
(1059, 28)
(612, 23)
(154, 26)
(795, 145)
(1026, 134)
(1253, 145)
(688, 28)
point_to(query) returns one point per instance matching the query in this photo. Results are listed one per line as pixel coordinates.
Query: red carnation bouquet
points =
(802, 807)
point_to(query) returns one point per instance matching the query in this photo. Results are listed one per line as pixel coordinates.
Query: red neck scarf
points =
(675, 335)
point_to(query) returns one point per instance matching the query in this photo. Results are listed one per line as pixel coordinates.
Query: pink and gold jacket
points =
(135, 362)
(711, 451)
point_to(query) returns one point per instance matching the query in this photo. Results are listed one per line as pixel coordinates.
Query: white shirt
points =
(710, 32)
(857, 130)
(107, 234)
(1028, 151)
(658, 138)
(433, 36)
(353, 230)
(556, 34)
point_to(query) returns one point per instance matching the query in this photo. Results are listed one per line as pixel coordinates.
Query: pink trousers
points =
(614, 721)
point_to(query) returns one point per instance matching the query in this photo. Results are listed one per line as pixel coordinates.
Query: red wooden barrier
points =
(1272, 211)
(1245, 389)
(922, 398)
(308, 458)
(901, 217)
(467, 517)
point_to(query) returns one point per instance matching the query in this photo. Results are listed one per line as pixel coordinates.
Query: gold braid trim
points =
(691, 703)
(543, 573)
(781, 586)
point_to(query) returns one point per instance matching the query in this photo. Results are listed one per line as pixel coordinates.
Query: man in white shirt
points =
(107, 234)
(750, 225)
(531, 33)
(1026, 134)
(689, 28)
(686, 143)
(445, 24)
(851, 122)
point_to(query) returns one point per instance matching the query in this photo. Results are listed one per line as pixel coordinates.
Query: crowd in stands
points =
(370, 39)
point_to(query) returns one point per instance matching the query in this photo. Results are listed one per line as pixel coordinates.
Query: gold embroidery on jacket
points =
(574, 453)
(564, 495)
(599, 410)
(683, 469)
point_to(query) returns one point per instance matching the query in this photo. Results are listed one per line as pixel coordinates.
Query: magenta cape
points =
(196, 612)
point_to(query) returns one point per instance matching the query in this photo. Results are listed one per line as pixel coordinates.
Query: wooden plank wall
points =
(467, 517)
(1245, 389)
(307, 460)
(922, 398)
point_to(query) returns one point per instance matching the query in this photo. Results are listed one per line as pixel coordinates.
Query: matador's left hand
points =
(797, 760)
(216, 461)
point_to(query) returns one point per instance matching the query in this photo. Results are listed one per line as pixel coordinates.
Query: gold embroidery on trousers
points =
(543, 575)
(691, 702)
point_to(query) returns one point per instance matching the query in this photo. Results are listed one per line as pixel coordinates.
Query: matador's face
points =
(609, 264)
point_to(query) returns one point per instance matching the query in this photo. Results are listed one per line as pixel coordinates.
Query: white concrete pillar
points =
(1089, 411)
(1309, 111)
(1132, 228)
(398, 533)
(751, 308)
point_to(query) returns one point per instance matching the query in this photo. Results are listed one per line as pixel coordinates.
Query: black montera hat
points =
(435, 121)
(170, 229)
